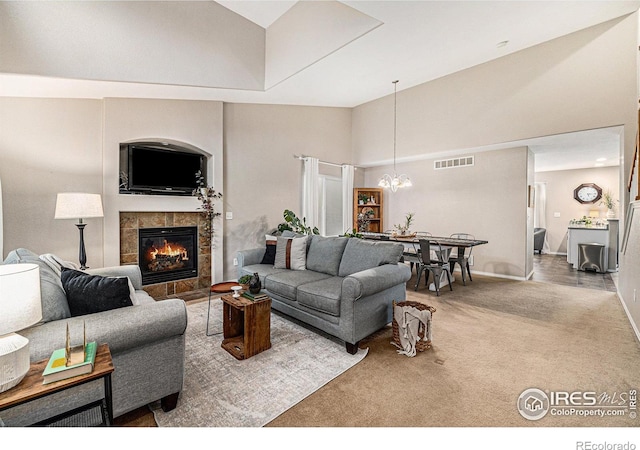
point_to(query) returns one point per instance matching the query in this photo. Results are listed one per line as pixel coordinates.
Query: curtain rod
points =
(302, 157)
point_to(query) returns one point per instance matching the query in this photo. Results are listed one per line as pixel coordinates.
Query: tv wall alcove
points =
(196, 125)
(160, 168)
(158, 177)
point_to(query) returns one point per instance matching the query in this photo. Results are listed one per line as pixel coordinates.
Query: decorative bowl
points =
(236, 291)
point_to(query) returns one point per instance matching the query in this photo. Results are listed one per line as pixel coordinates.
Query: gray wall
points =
(629, 281)
(487, 200)
(530, 213)
(262, 177)
(49, 146)
(62, 145)
(57, 145)
(556, 87)
(578, 82)
(560, 186)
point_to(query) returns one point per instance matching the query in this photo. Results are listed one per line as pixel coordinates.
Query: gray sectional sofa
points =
(347, 287)
(146, 340)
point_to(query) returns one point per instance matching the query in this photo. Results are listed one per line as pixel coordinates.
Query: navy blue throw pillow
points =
(88, 294)
(270, 252)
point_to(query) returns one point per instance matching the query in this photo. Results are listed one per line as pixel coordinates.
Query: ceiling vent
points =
(453, 163)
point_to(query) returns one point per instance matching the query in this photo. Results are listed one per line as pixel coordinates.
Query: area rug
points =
(221, 391)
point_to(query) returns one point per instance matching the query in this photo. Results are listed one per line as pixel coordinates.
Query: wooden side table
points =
(31, 388)
(246, 326)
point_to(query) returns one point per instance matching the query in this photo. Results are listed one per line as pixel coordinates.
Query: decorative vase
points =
(610, 214)
(254, 284)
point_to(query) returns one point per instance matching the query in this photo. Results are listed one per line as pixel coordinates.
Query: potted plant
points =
(207, 195)
(403, 229)
(363, 220)
(362, 198)
(609, 203)
(244, 281)
(293, 223)
(353, 233)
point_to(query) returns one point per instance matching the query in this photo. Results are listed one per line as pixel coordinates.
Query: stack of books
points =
(255, 297)
(57, 368)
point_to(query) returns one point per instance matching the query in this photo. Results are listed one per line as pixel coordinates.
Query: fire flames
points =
(169, 256)
(167, 250)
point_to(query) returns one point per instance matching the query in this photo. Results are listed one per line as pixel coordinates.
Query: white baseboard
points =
(626, 310)
(495, 275)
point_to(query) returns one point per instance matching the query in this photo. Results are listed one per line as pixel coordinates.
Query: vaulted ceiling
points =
(325, 53)
(320, 53)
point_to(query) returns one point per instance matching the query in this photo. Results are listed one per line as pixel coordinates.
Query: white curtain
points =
(347, 197)
(540, 211)
(310, 191)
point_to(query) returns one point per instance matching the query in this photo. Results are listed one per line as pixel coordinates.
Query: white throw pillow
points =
(291, 253)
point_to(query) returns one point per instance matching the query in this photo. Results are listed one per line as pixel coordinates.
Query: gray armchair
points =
(538, 239)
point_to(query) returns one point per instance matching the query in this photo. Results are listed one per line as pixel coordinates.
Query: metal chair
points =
(435, 266)
(462, 259)
(411, 255)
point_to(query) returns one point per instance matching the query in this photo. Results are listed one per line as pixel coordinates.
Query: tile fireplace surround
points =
(131, 222)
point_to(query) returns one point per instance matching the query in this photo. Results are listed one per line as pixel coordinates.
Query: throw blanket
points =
(409, 319)
(57, 264)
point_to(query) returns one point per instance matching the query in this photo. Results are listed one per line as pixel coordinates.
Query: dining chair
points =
(461, 258)
(410, 254)
(434, 266)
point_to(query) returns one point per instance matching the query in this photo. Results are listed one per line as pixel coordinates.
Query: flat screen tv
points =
(159, 169)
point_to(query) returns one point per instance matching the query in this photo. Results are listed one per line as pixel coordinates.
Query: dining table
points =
(459, 243)
(412, 244)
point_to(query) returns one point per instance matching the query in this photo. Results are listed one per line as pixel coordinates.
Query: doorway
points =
(330, 206)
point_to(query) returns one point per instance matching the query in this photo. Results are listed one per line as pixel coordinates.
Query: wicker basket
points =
(421, 345)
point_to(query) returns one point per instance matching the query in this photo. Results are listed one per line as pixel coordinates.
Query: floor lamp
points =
(75, 205)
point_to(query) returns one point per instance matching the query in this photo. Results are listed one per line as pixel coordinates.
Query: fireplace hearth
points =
(167, 254)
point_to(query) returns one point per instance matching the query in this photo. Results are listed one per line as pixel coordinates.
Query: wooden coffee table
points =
(246, 326)
(31, 388)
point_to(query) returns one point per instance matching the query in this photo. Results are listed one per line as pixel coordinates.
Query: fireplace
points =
(167, 254)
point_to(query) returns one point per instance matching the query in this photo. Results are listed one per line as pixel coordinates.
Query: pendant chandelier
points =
(396, 181)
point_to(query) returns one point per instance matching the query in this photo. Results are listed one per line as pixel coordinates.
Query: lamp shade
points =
(77, 205)
(20, 305)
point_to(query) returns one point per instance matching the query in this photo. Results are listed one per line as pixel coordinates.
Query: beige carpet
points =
(493, 339)
(220, 391)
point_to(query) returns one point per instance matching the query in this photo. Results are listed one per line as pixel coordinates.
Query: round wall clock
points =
(587, 193)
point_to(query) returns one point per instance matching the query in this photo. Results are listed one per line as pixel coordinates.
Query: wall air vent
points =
(453, 163)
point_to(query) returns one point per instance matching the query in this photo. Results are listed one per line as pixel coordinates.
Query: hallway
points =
(554, 269)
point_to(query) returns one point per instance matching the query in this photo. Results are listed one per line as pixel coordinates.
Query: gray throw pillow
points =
(360, 255)
(325, 254)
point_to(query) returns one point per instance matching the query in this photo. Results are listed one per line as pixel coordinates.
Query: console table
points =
(606, 235)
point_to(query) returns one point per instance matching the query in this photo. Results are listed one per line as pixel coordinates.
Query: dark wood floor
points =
(555, 269)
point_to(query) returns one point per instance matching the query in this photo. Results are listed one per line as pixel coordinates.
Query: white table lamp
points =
(20, 307)
(76, 205)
